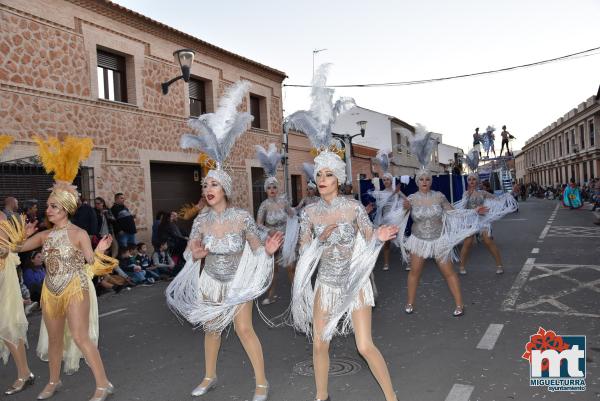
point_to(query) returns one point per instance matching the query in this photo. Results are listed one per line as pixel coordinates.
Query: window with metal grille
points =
(197, 97)
(399, 143)
(591, 131)
(255, 111)
(112, 83)
(26, 179)
(582, 136)
(258, 191)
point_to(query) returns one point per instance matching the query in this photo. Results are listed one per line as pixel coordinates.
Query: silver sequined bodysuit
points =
(351, 218)
(476, 199)
(225, 236)
(427, 210)
(273, 213)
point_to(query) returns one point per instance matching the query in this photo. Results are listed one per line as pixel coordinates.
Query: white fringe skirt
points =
(330, 298)
(438, 249)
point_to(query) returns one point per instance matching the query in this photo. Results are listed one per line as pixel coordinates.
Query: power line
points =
(571, 56)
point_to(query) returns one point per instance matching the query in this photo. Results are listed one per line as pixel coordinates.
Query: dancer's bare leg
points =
(78, 319)
(291, 272)
(245, 332)
(56, 330)
(452, 280)
(416, 267)
(465, 250)
(361, 320)
(491, 246)
(212, 344)
(320, 350)
(273, 288)
(386, 254)
(20, 357)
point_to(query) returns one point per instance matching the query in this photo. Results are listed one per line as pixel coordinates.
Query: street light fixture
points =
(185, 58)
(347, 141)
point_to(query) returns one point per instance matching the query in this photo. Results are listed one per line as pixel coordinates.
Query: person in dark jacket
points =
(125, 224)
(85, 218)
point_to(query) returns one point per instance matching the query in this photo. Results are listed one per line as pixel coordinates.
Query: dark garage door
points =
(174, 185)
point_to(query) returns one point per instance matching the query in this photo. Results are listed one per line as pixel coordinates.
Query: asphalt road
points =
(552, 280)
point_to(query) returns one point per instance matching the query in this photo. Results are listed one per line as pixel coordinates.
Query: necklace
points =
(63, 227)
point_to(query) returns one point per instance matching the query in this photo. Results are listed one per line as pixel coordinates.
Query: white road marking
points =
(513, 294)
(488, 341)
(545, 231)
(112, 312)
(557, 299)
(460, 392)
(535, 250)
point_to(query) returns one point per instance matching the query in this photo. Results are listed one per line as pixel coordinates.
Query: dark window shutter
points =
(111, 61)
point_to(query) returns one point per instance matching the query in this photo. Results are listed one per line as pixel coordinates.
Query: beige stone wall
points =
(48, 86)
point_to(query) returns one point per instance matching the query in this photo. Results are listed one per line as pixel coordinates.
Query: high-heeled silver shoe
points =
(21, 384)
(459, 311)
(408, 309)
(44, 395)
(262, 397)
(201, 390)
(106, 391)
(328, 399)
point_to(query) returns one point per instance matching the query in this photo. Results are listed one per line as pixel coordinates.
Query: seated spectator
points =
(110, 282)
(146, 262)
(162, 261)
(128, 263)
(33, 275)
(157, 220)
(169, 231)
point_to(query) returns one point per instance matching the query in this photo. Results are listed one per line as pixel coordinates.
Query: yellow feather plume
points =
(5, 140)
(188, 211)
(206, 161)
(63, 157)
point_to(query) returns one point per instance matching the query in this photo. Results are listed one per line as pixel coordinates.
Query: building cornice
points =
(139, 21)
(564, 123)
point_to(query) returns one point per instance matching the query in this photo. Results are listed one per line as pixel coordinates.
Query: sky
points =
(392, 41)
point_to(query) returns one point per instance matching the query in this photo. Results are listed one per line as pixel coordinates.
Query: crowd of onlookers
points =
(139, 263)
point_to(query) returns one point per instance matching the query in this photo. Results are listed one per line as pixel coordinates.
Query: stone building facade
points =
(568, 148)
(93, 68)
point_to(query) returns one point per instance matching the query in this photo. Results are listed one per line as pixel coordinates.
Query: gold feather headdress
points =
(5, 140)
(62, 158)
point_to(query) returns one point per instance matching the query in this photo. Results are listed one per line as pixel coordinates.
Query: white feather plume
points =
(473, 159)
(309, 171)
(215, 133)
(317, 122)
(422, 144)
(383, 158)
(269, 159)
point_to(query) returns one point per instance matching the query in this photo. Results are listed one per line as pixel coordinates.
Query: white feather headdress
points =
(473, 159)
(269, 160)
(422, 144)
(309, 172)
(215, 133)
(383, 159)
(317, 122)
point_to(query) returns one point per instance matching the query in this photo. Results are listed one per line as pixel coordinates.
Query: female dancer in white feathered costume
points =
(387, 200)
(494, 207)
(336, 236)
(275, 215)
(237, 267)
(436, 228)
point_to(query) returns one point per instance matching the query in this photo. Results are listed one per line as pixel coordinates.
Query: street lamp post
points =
(347, 140)
(185, 58)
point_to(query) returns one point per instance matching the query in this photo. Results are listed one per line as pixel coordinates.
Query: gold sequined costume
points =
(67, 278)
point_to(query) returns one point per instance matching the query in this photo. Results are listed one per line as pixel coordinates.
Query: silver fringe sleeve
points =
(290, 242)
